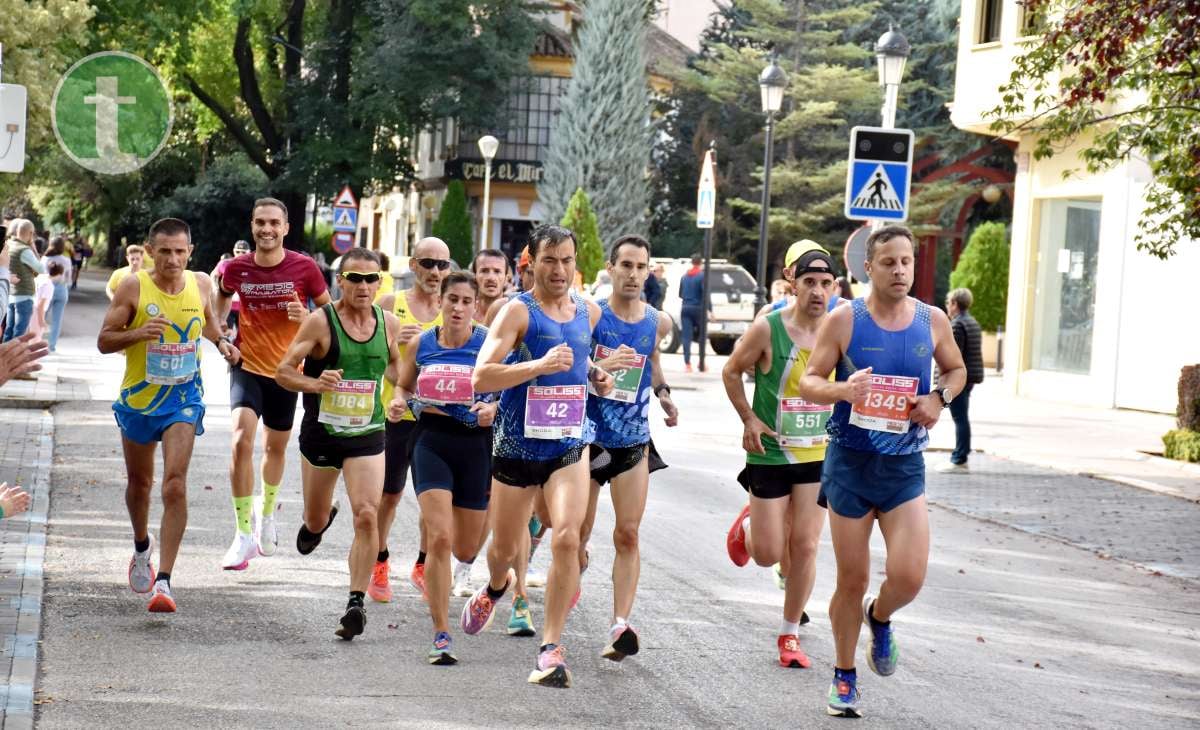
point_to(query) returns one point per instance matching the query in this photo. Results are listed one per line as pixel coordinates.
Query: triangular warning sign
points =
(345, 199)
(877, 193)
(343, 217)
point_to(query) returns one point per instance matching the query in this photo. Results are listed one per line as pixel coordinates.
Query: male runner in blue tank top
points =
(536, 355)
(625, 343)
(874, 466)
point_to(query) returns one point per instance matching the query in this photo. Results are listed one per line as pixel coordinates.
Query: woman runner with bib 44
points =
(451, 445)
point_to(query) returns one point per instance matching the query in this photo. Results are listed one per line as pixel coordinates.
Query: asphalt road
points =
(1013, 628)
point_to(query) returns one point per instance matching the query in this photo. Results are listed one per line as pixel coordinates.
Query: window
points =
(1065, 291)
(990, 13)
(525, 122)
(1033, 20)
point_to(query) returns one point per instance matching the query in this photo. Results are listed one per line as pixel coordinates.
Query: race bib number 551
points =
(887, 406)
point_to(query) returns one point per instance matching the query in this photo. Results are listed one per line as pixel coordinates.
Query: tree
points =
(601, 141)
(589, 250)
(1123, 78)
(983, 268)
(453, 224)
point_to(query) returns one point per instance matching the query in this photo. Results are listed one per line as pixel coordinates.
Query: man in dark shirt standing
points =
(691, 292)
(969, 337)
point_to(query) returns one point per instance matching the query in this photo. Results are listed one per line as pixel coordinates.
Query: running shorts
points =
(148, 429)
(855, 482)
(398, 454)
(270, 401)
(326, 451)
(775, 481)
(522, 473)
(608, 463)
(447, 454)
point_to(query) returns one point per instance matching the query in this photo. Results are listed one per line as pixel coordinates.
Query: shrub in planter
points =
(1182, 444)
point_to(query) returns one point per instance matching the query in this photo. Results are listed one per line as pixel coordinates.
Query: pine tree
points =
(589, 250)
(601, 140)
(453, 224)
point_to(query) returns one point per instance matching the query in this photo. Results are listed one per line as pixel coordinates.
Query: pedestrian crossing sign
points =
(879, 174)
(345, 219)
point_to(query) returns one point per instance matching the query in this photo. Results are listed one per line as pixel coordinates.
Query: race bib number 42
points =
(801, 423)
(170, 363)
(887, 406)
(443, 385)
(625, 382)
(555, 412)
(350, 404)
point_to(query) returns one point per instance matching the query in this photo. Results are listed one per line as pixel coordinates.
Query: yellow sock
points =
(243, 507)
(270, 491)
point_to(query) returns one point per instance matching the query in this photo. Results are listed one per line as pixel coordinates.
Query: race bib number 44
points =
(555, 412)
(625, 382)
(801, 423)
(171, 363)
(887, 406)
(443, 385)
(350, 404)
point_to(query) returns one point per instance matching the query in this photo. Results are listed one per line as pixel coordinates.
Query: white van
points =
(731, 291)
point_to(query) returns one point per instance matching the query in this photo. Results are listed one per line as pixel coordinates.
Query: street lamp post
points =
(487, 146)
(771, 83)
(891, 53)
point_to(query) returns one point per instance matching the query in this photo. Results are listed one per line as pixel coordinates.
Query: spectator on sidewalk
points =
(13, 500)
(24, 264)
(19, 356)
(134, 255)
(653, 288)
(42, 296)
(75, 251)
(969, 338)
(691, 293)
(56, 253)
(7, 279)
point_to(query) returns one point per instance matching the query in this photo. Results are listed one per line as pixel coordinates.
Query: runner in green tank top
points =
(347, 349)
(784, 438)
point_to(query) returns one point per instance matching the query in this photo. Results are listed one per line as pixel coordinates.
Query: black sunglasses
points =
(357, 277)
(439, 264)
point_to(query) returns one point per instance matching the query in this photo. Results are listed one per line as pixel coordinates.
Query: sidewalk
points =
(1105, 443)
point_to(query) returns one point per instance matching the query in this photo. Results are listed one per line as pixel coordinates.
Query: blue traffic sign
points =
(345, 219)
(879, 174)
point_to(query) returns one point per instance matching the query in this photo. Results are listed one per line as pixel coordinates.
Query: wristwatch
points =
(946, 395)
(659, 390)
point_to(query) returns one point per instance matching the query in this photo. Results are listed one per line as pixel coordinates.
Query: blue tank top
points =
(622, 423)
(542, 334)
(833, 302)
(908, 352)
(430, 352)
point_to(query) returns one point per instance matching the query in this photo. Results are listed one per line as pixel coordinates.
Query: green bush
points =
(1182, 444)
(983, 268)
(589, 251)
(1188, 409)
(453, 224)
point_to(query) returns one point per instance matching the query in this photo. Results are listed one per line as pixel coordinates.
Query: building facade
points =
(1091, 320)
(392, 223)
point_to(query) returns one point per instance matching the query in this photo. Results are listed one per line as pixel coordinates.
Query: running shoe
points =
(141, 570)
(735, 541)
(535, 578)
(462, 581)
(417, 576)
(352, 623)
(162, 601)
(790, 653)
(440, 653)
(267, 533)
(882, 654)
(551, 668)
(843, 697)
(622, 642)
(240, 552)
(535, 531)
(380, 589)
(520, 621)
(306, 540)
(804, 619)
(780, 578)
(477, 613)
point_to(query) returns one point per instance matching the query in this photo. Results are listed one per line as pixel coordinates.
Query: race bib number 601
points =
(888, 405)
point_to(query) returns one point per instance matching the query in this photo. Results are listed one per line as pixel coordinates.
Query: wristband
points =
(658, 390)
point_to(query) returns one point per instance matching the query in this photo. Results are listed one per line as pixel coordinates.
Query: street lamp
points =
(891, 53)
(771, 82)
(487, 146)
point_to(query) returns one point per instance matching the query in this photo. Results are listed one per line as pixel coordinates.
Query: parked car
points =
(731, 292)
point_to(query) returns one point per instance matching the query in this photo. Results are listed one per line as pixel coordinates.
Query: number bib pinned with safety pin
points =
(444, 385)
(350, 404)
(171, 363)
(802, 424)
(555, 411)
(887, 406)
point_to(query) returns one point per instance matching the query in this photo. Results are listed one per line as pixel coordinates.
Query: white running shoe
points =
(535, 578)
(141, 570)
(240, 552)
(266, 534)
(462, 581)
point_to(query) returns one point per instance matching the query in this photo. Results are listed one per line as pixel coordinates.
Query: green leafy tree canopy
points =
(983, 268)
(589, 251)
(453, 224)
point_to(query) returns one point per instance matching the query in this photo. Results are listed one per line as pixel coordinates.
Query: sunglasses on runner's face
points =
(356, 277)
(439, 264)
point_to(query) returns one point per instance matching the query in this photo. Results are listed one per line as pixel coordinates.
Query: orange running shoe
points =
(161, 601)
(418, 578)
(735, 541)
(380, 589)
(790, 653)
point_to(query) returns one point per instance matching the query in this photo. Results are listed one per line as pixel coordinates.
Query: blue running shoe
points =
(441, 653)
(882, 654)
(843, 696)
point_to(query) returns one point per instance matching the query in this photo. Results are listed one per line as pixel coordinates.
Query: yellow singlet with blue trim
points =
(404, 313)
(162, 377)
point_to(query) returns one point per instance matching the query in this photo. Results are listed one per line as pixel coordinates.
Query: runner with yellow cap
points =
(794, 252)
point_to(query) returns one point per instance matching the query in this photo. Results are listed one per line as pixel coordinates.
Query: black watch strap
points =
(658, 390)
